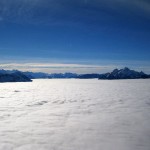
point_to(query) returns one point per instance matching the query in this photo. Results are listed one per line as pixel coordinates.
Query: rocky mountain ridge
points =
(18, 76)
(13, 76)
(124, 73)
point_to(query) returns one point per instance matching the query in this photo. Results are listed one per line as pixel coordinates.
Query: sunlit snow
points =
(74, 114)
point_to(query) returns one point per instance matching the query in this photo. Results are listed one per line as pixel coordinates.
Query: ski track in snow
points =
(74, 114)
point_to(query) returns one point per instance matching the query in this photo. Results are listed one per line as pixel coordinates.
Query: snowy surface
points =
(75, 114)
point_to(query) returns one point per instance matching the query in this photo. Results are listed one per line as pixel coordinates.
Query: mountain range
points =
(18, 76)
(124, 73)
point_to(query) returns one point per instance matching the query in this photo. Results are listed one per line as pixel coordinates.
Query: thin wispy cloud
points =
(56, 68)
(74, 68)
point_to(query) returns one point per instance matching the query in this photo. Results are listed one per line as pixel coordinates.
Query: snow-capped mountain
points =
(124, 73)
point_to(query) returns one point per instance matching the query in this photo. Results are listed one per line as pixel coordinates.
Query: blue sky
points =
(104, 34)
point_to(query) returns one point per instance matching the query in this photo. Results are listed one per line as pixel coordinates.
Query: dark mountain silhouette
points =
(124, 73)
(18, 76)
(88, 76)
(38, 75)
(13, 76)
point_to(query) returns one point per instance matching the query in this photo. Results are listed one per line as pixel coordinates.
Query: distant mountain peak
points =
(124, 73)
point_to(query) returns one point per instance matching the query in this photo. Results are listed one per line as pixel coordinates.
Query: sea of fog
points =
(75, 114)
